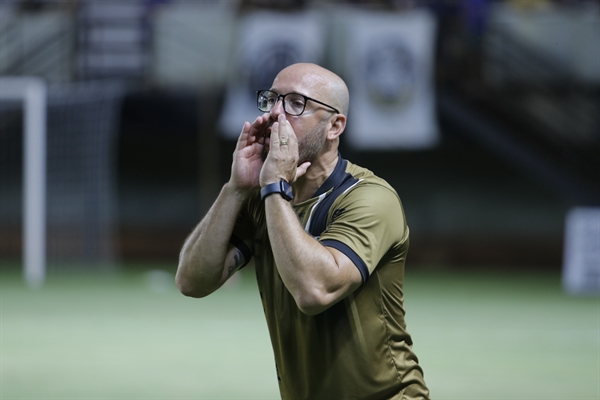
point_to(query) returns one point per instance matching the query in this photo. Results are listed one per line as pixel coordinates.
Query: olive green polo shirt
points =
(358, 348)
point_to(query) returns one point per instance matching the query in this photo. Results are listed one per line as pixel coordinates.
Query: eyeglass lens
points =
(293, 103)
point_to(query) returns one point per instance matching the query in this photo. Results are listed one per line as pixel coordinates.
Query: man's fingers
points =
(275, 132)
(243, 138)
(283, 126)
(285, 132)
(259, 127)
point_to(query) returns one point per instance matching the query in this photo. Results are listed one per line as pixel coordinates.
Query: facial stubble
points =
(309, 146)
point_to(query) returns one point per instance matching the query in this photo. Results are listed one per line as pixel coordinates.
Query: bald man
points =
(328, 240)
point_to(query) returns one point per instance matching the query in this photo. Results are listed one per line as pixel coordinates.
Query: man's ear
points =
(336, 127)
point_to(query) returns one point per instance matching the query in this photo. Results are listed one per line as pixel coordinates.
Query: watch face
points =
(286, 190)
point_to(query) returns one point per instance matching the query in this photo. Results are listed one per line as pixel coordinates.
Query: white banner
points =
(581, 263)
(267, 43)
(389, 60)
(192, 45)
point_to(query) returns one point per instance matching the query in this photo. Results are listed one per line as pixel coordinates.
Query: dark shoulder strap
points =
(319, 217)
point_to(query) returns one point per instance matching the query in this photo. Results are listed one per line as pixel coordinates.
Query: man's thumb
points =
(301, 170)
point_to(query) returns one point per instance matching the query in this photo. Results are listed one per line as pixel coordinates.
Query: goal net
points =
(76, 195)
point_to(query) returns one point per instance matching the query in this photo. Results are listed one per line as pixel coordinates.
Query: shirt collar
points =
(336, 178)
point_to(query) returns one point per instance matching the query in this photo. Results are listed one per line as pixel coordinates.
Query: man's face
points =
(310, 126)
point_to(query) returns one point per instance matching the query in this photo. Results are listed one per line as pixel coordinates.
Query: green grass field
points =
(133, 336)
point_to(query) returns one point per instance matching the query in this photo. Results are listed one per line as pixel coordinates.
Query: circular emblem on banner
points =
(265, 64)
(390, 73)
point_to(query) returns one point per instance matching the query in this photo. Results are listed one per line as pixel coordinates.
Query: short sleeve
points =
(365, 224)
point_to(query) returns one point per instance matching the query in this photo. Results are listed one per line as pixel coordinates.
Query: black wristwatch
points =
(281, 187)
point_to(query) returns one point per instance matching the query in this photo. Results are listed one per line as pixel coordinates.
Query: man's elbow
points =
(189, 287)
(186, 289)
(313, 303)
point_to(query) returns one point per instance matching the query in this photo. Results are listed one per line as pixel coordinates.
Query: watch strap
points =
(282, 187)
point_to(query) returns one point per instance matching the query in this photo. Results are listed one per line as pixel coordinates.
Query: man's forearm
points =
(308, 269)
(202, 258)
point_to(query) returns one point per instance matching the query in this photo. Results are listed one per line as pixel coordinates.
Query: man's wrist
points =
(232, 190)
(282, 188)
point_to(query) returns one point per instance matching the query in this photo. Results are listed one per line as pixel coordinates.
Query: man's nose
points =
(277, 108)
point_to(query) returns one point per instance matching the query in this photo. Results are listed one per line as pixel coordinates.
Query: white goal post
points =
(32, 93)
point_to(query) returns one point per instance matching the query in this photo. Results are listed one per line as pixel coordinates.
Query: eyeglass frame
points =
(282, 97)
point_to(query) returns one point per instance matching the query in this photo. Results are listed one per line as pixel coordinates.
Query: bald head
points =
(318, 82)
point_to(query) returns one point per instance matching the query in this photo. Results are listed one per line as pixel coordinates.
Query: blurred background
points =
(505, 143)
(484, 116)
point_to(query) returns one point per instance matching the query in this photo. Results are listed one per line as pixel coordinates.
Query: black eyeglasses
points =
(293, 103)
